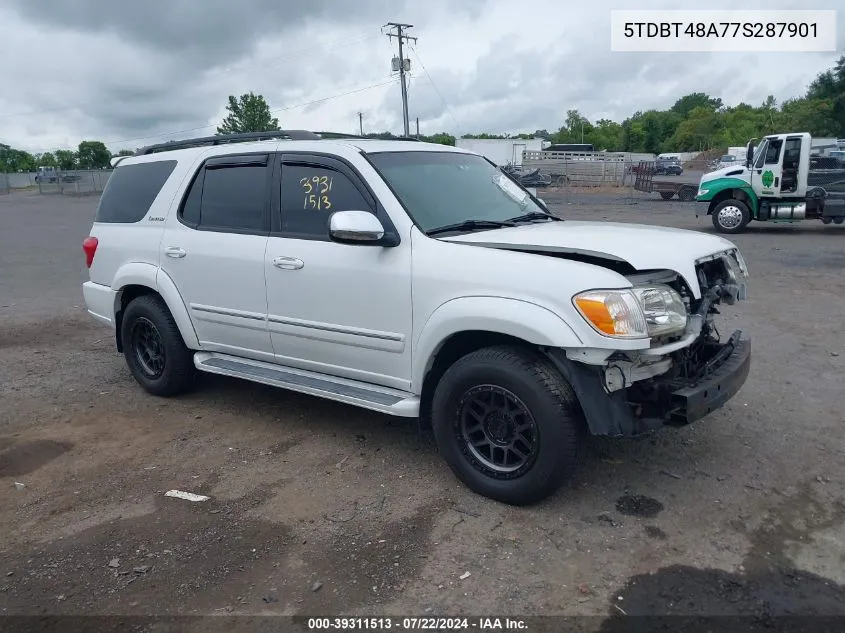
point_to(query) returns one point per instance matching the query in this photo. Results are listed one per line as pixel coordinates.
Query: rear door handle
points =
(175, 251)
(288, 263)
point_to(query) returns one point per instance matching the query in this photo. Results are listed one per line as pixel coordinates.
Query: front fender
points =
(713, 188)
(514, 317)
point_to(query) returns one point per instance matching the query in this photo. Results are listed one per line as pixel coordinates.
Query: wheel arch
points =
(742, 194)
(461, 326)
(137, 279)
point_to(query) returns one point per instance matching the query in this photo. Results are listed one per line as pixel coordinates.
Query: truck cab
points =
(779, 166)
(778, 182)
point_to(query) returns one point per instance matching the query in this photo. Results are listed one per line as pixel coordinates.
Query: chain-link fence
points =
(76, 182)
(71, 182)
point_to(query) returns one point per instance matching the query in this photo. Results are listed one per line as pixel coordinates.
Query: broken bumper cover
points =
(695, 401)
(680, 403)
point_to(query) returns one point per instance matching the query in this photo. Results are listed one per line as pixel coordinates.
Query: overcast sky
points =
(138, 72)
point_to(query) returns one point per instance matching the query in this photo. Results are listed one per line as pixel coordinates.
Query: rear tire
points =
(667, 195)
(731, 216)
(507, 424)
(687, 194)
(153, 347)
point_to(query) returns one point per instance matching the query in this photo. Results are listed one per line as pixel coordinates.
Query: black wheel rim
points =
(148, 347)
(497, 430)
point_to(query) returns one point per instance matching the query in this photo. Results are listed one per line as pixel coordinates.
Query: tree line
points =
(695, 122)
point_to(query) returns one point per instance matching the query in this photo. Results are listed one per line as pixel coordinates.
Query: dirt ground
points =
(321, 508)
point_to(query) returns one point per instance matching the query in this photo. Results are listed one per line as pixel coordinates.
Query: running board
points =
(361, 394)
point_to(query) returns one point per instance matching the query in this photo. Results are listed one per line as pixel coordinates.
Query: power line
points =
(224, 72)
(433, 85)
(205, 127)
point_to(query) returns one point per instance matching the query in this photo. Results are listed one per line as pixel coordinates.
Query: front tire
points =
(731, 216)
(507, 424)
(153, 347)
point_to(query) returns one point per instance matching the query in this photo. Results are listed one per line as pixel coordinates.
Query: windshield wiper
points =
(470, 225)
(532, 215)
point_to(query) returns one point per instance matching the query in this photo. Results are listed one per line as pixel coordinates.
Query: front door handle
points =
(175, 251)
(288, 263)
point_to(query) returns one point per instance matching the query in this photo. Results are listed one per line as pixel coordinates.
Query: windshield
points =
(443, 188)
(727, 158)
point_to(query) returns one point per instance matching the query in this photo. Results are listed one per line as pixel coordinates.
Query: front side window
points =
(760, 153)
(773, 152)
(310, 194)
(439, 189)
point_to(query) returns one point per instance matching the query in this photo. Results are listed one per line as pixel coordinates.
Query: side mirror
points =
(356, 227)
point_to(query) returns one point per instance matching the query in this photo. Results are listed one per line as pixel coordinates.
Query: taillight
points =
(89, 245)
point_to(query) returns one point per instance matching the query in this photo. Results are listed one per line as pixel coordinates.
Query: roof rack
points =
(221, 139)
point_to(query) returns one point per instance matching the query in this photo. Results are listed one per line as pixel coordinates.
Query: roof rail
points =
(220, 139)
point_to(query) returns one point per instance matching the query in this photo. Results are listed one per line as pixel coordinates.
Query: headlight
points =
(614, 313)
(702, 191)
(664, 311)
(639, 312)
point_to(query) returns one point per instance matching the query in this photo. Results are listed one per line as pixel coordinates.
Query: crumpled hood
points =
(643, 247)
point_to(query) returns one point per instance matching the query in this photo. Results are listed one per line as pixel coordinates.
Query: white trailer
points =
(501, 150)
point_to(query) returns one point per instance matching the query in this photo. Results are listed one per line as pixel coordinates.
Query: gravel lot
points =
(322, 508)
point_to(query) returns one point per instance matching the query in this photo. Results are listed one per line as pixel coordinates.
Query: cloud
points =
(142, 72)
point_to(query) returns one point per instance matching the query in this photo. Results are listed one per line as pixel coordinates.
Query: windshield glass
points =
(443, 188)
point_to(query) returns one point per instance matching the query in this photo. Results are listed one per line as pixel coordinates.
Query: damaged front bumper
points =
(663, 400)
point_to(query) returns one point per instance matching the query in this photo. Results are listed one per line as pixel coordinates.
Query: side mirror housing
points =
(355, 227)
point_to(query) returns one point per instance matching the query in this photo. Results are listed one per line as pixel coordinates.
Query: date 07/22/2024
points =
(316, 189)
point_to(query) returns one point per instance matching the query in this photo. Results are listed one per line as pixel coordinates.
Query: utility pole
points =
(403, 65)
(418, 127)
(361, 122)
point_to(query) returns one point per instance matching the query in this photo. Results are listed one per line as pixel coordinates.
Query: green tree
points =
(66, 159)
(484, 135)
(442, 137)
(125, 152)
(699, 131)
(686, 104)
(15, 160)
(829, 86)
(607, 135)
(47, 159)
(93, 155)
(248, 113)
(816, 116)
(633, 134)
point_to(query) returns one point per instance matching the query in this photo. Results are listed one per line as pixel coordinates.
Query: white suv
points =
(417, 280)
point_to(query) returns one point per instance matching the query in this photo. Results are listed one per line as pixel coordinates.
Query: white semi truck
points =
(779, 181)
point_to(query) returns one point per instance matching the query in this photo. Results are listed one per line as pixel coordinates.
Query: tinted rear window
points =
(131, 190)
